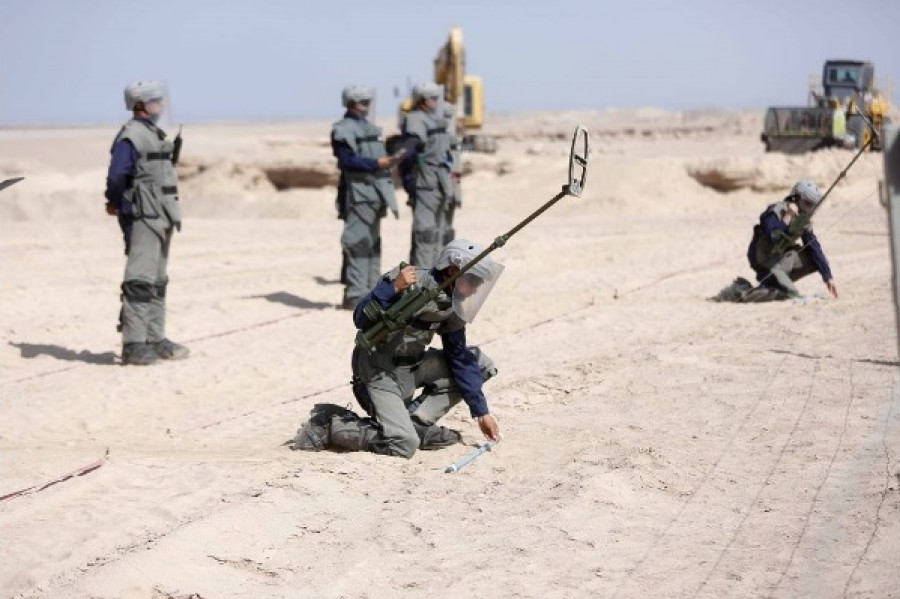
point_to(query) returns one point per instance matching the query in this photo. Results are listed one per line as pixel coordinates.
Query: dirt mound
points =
(774, 172)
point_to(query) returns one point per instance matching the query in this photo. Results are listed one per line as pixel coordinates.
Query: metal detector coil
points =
(400, 313)
(578, 162)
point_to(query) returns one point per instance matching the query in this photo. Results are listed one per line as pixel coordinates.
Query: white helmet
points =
(807, 192)
(143, 91)
(422, 91)
(471, 289)
(355, 93)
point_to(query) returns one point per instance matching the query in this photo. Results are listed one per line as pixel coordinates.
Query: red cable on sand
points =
(78, 472)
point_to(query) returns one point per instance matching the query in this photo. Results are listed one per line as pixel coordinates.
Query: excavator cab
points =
(845, 79)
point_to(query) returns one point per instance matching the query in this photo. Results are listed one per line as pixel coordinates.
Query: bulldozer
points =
(463, 91)
(839, 113)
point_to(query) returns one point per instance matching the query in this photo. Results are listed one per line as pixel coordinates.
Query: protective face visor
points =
(805, 206)
(472, 289)
(158, 109)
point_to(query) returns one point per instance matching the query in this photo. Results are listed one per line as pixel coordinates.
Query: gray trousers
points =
(144, 287)
(397, 419)
(431, 231)
(792, 266)
(361, 247)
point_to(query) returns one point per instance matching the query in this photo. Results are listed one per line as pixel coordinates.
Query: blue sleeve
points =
(770, 223)
(811, 245)
(383, 293)
(465, 371)
(121, 170)
(350, 160)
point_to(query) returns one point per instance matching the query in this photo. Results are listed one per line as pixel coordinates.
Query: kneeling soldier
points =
(385, 380)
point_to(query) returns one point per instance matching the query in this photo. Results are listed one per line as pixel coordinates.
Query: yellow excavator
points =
(841, 112)
(464, 91)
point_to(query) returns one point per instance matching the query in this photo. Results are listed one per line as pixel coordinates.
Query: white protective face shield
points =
(471, 290)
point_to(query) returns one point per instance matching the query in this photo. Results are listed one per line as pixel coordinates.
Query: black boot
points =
(169, 350)
(138, 354)
(436, 436)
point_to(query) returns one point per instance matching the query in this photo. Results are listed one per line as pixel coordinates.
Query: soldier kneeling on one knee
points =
(783, 250)
(385, 379)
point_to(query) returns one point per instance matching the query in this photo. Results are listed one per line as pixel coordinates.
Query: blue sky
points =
(66, 61)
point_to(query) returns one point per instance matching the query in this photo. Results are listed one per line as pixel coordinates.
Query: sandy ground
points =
(655, 444)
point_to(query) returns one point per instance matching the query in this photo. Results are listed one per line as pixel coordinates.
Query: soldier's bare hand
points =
(490, 428)
(406, 278)
(832, 287)
(385, 162)
(790, 214)
(111, 209)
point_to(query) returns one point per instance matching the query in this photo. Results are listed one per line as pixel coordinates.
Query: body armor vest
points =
(409, 344)
(364, 139)
(153, 193)
(762, 248)
(434, 160)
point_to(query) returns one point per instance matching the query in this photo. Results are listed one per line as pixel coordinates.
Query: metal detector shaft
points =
(578, 161)
(843, 173)
(787, 242)
(414, 298)
(501, 240)
(792, 235)
(455, 467)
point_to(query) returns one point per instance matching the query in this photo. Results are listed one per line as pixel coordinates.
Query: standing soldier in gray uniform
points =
(426, 143)
(385, 380)
(365, 192)
(142, 191)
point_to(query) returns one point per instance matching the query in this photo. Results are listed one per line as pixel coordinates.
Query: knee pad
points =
(428, 236)
(361, 248)
(138, 291)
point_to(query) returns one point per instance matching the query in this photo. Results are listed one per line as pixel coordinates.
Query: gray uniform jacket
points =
(375, 189)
